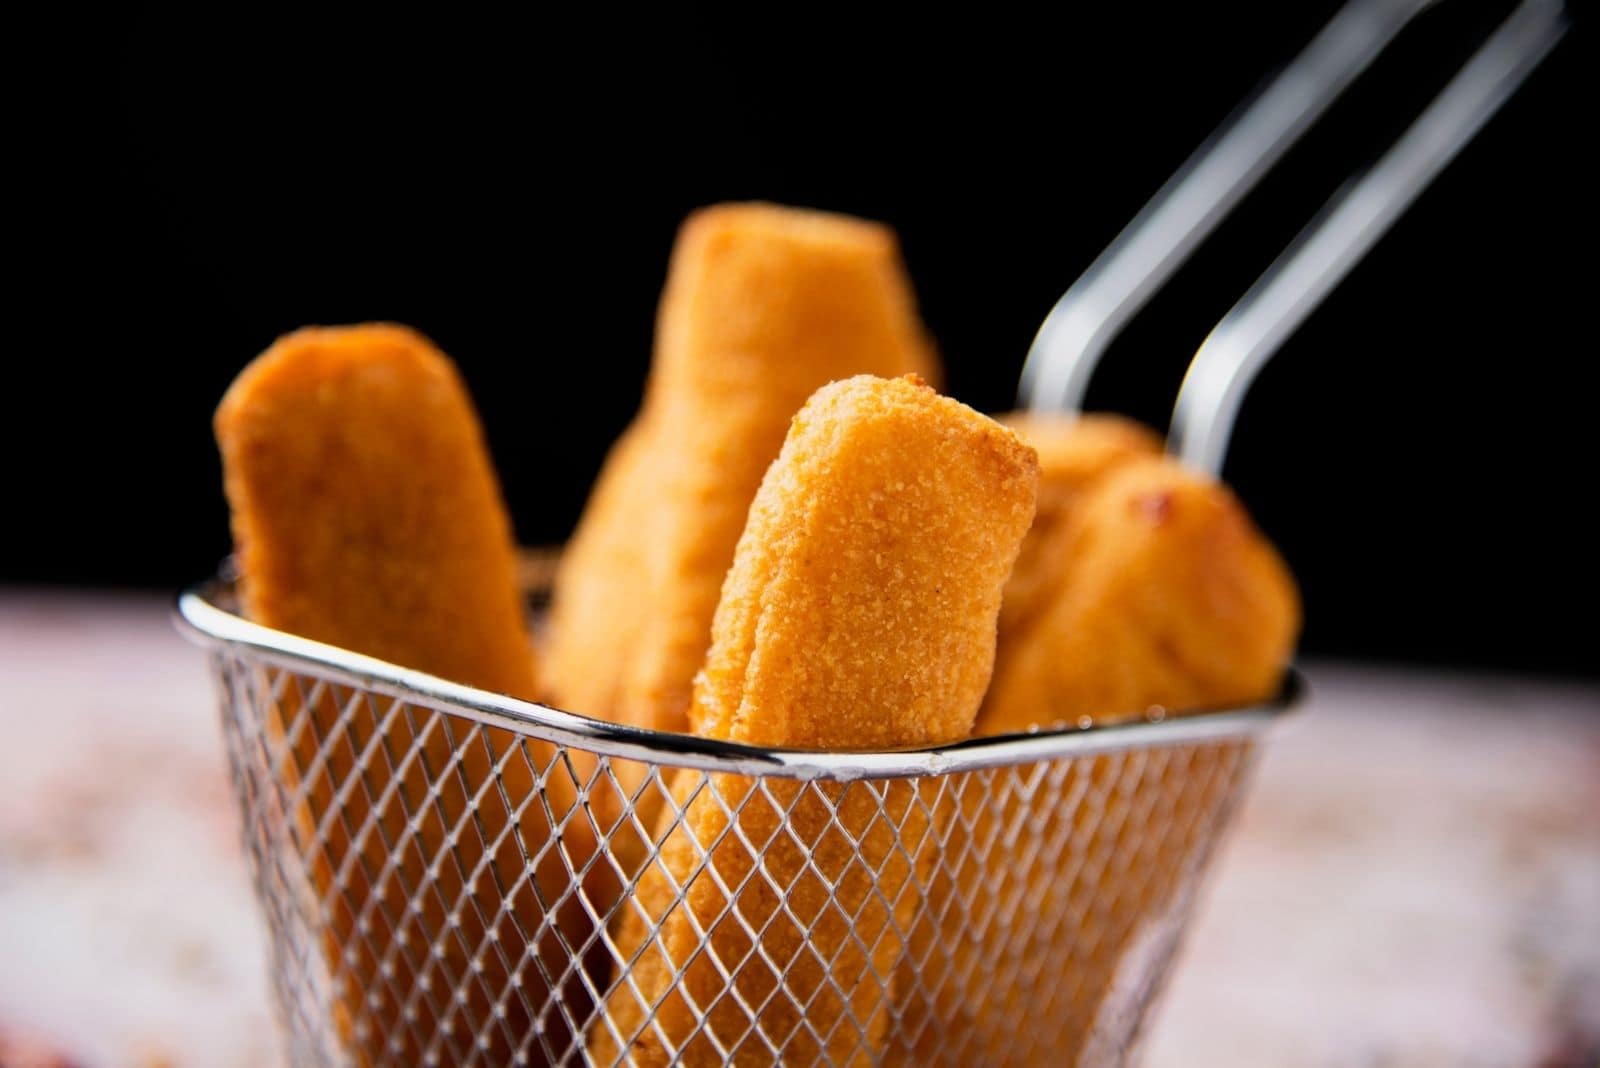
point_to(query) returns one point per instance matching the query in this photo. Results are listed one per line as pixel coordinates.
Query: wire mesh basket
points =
(454, 877)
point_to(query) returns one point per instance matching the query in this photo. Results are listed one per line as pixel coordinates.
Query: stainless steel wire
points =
(1202, 192)
(1346, 229)
(1156, 242)
(453, 877)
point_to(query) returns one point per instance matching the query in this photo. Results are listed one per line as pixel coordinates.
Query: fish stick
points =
(859, 614)
(366, 514)
(1168, 597)
(763, 305)
(1074, 451)
(600, 582)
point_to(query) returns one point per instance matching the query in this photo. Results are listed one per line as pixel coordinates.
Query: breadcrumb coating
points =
(1075, 451)
(366, 514)
(1169, 597)
(835, 582)
(600, 588)
(859, 613)
(365, 510)
(763, 305)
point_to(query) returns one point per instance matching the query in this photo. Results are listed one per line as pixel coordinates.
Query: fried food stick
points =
(1075, 451)
(1168, 596)
(366, 514)
(763, 305)
(600, 584)
(859, 614)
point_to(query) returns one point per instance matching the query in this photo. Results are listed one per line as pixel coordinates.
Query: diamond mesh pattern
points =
(443, 893)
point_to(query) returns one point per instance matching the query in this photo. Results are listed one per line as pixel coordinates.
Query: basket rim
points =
(201, 619)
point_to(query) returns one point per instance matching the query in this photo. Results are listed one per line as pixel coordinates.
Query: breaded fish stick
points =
(763, 305)
(366, 514)
(600, 585)
(1168, 597)
(365, 509)
(1075, 451)
(859, 614)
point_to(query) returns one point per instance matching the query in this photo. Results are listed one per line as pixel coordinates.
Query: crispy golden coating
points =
(366, 514)
(365, 510)
(763, 305)
(600, 583)
(1075, 451)
(859, 613)
(1170, 597)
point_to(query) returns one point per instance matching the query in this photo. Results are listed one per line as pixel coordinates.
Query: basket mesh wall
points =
(440, 892)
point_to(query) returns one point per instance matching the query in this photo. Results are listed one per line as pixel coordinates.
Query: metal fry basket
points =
(455, 877)
(452, 877)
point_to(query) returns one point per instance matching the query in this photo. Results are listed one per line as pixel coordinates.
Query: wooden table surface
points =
(1415, 880)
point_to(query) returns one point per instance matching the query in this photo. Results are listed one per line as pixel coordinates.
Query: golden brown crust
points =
(600, 587)
(1075, 451)
(859, 613)
(763, 305)
(366, 514)
(365, 511)
(1170, 597)
(768, 297)
(835, 581)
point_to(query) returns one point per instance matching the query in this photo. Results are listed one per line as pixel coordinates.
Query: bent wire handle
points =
(1346, 228)
(1196, 198)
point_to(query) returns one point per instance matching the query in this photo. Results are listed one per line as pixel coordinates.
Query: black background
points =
(194, 184)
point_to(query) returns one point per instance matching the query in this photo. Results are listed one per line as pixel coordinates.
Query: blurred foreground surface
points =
(1412, 881)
